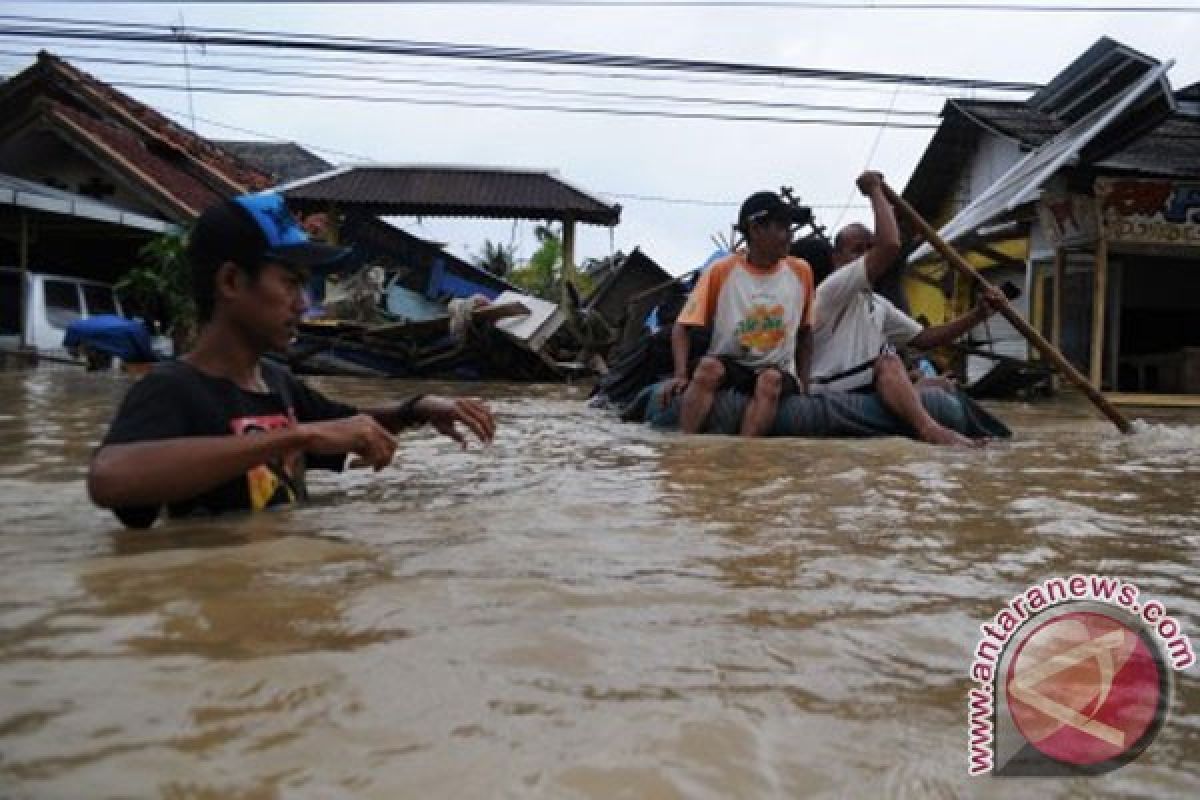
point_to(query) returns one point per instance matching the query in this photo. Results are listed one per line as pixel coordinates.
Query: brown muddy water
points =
(584, 609)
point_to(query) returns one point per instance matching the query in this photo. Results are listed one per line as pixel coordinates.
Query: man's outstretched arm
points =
(443, 413)
(152, 473)
(938, 335)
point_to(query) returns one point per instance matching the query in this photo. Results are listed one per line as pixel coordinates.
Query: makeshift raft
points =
(835, 414)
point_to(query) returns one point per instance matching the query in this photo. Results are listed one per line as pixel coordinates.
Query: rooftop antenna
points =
(180, 30)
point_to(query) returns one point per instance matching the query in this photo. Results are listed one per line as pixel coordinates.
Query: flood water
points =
(584, 609)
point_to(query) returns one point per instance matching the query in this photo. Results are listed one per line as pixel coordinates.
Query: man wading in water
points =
(223, 430)
(857, 329)
(758, 303)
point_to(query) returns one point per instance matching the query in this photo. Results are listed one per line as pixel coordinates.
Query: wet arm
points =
(169, 470)
(680, 347)
(804, 351)
(886, 245)
(396, 418)
(939, 335)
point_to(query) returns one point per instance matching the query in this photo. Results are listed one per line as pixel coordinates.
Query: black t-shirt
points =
(176, 399)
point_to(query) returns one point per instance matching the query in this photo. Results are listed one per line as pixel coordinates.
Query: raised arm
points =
(885, 245)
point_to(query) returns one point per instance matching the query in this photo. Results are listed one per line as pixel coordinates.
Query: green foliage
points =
(540, 276)
(160, 288)
(497, 258)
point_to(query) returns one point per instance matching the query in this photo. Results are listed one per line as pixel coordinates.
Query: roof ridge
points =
(149, 122)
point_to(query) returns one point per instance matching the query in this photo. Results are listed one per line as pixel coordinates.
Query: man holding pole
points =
(857, 329)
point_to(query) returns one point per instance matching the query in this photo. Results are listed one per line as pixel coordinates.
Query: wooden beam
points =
(1114, 341)
(23, 281)
(1056, 310)
(1099, 306)
(1154, 400)
(568, 249)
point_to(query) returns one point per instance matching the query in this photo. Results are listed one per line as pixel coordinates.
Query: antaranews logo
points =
(1074, 677)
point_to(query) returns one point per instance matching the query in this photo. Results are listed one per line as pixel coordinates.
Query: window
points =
(62, 303)
(10, 304)
(99, 300)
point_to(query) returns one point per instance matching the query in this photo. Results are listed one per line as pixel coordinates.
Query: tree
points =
(540, 275)
(497, 258)
(160, 288)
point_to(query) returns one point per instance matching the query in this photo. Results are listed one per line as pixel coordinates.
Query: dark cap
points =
(762, 206)
(253, 228)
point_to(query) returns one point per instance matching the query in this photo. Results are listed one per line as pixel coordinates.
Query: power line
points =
(689, 201)
(567, 93)
(226, 37)
(782, 5)
(620, 112)
(399, 62)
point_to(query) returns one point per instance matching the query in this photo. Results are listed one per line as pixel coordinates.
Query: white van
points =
(53, 303)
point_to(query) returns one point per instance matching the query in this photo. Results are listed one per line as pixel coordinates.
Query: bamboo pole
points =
(1036, 339)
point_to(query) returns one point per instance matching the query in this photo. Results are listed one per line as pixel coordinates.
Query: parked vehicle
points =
(52, 303)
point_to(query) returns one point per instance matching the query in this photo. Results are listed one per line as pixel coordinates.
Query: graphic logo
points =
(1087, 691)
(1074, 679)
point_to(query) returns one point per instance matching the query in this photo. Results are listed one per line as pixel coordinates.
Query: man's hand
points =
(444, 412)
(360, 435)
(870, 182)
(675, 387)
(991, 301)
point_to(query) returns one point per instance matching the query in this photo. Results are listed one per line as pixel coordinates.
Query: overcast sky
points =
(712, 164)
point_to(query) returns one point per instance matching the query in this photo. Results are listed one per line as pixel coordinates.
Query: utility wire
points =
(399, 62)
(783, 5)
(223, 37)
(620, 112)
(567, 93)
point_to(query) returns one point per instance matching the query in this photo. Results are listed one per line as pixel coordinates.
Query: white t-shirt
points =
(853, 324)
(754, 313)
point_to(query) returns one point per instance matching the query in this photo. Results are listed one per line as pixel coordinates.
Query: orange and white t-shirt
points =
(754, 313)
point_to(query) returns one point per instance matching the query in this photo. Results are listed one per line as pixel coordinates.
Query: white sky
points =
(712, 161)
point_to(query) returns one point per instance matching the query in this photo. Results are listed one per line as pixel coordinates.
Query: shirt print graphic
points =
(761, 330)
(275, 482)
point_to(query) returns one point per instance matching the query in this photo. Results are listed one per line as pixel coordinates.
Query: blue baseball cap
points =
(253, 228)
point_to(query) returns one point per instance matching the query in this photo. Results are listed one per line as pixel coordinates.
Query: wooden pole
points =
(1036, 339)
(1099, 306)
(1056, 330)
(24, 285)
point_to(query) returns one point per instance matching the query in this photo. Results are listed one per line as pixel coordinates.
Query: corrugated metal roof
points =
(451, 192)
(1171, 149)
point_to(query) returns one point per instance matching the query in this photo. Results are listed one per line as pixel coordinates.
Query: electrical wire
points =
(230, 37)
(567, 93)
(620, 112)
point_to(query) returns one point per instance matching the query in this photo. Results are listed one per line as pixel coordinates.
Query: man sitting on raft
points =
(222, 429)
(759, 304)
(857, 329)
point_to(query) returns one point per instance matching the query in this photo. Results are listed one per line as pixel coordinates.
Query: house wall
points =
(43, 157)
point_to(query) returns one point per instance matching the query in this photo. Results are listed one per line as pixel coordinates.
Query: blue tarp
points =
(122, 338)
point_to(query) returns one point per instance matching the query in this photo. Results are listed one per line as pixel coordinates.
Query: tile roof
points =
(188, 195)
(283, 161)
(452, 191)
(227, 167)
(183, 171)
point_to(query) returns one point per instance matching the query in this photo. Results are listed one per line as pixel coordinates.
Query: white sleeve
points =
(898, 328)
(840, 287)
